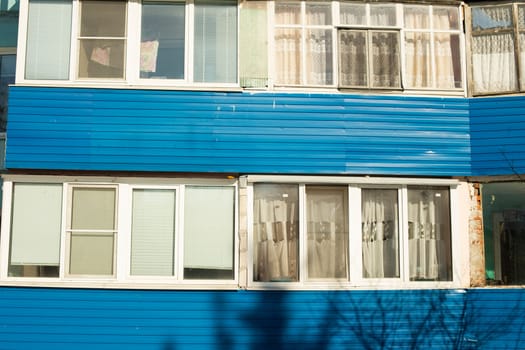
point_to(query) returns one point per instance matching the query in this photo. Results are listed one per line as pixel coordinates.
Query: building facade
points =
(223, 174)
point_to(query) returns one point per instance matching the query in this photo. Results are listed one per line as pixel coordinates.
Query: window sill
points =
(124, 85)
(107, 284)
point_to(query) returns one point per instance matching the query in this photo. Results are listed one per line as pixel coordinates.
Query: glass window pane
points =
(318, 14)
(253, 44)
(380, 233)
(447, 56)
(521, 17)
(383, 15)
(287, 56)
(153, 232)
(276, 229)
(492, 17)
(445, 18)
(209, 218)
(9, 22)
(102, 43)
(287, 13)
(93, 208)
(327, 232)
(101, 58)
(417, 17)
(418, 60)
(319, 53)
(385, 60)
(48, 40)
(504, 230)
(493, 63)
(429, 248)
(353, 60)
(91, 254)
(7, 76)
(162, 40)
(352, 13)
(35, 230)
(215, 46)
(103, 18)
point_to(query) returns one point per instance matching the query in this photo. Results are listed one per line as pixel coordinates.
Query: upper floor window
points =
(367, 45)
(155, 42)
(498, 48)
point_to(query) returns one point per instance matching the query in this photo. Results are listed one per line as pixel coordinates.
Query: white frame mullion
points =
(123, 249)
(189, 47)
(133, 31)
(355, 243)
(302, 264)
(178, 261)
(22, 44)
(404, 268)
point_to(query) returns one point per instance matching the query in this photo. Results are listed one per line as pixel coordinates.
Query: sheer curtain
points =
(429, 234)
(353, 58)
(276, 232)
(315, 57)
(418, 47)
(327, 232)
(493, 62)
(379, 222)
(385, 59)
(319, 51)
(287, 54)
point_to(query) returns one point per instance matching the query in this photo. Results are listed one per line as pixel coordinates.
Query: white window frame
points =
(518, 44)
(458, 223)
(68, 231)
(122, 277)
(303, 27)
(399, 27)
(132, 53)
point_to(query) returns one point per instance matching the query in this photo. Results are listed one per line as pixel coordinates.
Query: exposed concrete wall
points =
(477, 250)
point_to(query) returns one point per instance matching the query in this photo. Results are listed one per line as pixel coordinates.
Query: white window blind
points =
(48, 39)
(152, 232)
(215, 53)
(209, 227)
(35, 228)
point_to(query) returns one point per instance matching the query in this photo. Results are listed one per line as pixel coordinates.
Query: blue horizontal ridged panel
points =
(41, 318)
(236, 132)
(498, 135)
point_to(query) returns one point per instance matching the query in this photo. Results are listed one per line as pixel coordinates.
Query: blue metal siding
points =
(498, 135)
(41, 318)
(183, 131)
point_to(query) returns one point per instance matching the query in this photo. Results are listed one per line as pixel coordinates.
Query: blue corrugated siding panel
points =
(498, 135)
(183, 131)
(40, 318)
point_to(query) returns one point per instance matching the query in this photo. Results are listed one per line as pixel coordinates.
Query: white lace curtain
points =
(316, 55)
(379, 223)
(493, 61)
(429, 234)
(327, 233)
(419, 72)
(276, 231)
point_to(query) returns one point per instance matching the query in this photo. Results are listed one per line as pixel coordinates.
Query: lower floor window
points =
(504, 232)
(122, 231)
(307, 232)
